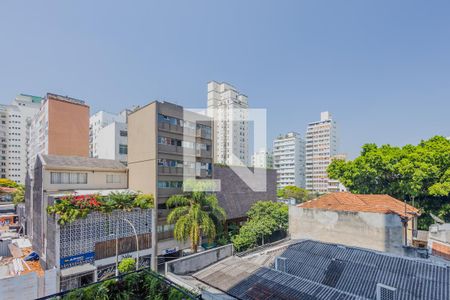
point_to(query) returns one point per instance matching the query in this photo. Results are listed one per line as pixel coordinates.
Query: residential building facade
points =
(289, 160)
(164, 148)
(83, 250)
(321, 146)
(14, 120)
(229, 110)
(262, 159)
(61, 127)
(108, 136)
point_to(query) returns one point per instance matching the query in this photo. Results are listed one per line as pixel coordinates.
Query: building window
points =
(123, 149)
(68, 178)
(123, 133)
(113, 178)
(170, 184)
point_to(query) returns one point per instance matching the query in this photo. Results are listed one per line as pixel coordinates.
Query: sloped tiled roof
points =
(344, 201)
(316, 270)
(7, 190)
(81, 163)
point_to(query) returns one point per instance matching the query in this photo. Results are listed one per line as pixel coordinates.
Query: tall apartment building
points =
(262, 159)
(160, 137)
(289, 160)
(14, 136)
(228, 108)
(321, 146)
(108, 136)
(61, 127)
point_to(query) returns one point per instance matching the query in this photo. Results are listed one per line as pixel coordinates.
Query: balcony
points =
(175, 171)
(203, 153)
(169, 192)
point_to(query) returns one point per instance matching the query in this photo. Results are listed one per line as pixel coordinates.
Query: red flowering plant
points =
(72, 207)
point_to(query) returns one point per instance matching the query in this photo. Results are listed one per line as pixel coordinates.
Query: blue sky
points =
(381, 67)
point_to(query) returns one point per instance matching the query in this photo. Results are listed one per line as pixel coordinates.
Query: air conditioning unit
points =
(385, 292)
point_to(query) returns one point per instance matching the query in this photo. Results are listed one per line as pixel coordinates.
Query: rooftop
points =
(81, 163)
(344, 201)
(316, 270)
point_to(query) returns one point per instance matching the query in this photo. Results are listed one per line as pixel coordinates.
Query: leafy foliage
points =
(291, 191)
(19, 194)
(141, 285)
(5, 182)
(195, 214)
(73, 207)
(127, 265)
(420, 172)
(265, 217)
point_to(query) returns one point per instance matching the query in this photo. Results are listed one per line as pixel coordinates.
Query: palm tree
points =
(195, 214)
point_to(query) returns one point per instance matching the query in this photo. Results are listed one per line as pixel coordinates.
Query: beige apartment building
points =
(164, 146)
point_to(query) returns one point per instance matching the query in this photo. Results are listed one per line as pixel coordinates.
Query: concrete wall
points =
(236, 197)
(23, 287)
(68, 128)
(382, 232)
(142, 145)
(195, 262)
(28, 286)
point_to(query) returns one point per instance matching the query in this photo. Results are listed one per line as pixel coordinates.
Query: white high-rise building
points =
(14, 136)
(289, 160)
(262, 159)
(108, 136)
(228, 107)
(321, 146)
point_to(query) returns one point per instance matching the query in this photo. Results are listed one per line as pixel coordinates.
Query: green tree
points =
(195, 214)
(419, 174)
(265, 217)
(127, 265)
(4, 182)
(19, 194)
(291, 191)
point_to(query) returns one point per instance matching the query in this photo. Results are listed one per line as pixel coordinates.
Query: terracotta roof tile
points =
(344, 201)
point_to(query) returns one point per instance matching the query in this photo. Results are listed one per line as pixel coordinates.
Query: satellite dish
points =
(437, 219)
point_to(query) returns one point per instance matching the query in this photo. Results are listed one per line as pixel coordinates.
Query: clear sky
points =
(381, 67)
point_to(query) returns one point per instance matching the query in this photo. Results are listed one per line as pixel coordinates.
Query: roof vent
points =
(280, 264)
(385, 292)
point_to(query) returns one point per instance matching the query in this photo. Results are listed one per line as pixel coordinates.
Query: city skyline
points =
(386, 60)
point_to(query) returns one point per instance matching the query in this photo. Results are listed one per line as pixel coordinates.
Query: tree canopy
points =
(4, 182)
(412, 172)
(265, 217)
(194, 214)
(291, 191)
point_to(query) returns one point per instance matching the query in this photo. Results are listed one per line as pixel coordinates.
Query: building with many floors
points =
(61, 127)
(321, 146)
(229, 110)
(165, 147)
(262, 159)
(14, 120)
(289, 160)
(108, 135)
